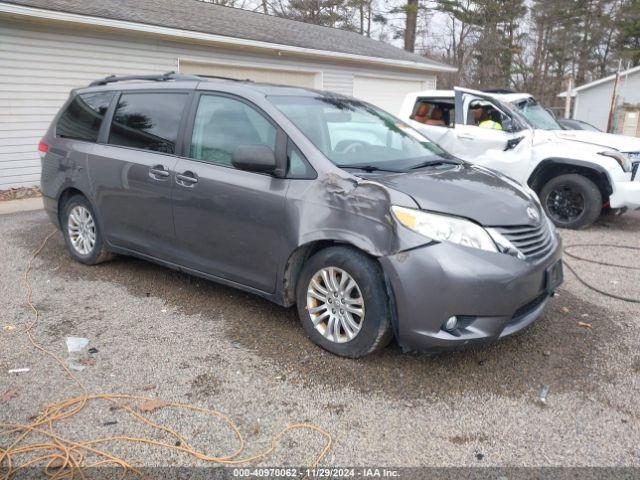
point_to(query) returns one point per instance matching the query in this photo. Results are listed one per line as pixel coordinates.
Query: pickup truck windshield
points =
(536, 114)
(353, 134)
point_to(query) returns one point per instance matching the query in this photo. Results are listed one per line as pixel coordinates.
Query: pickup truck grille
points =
(532, 241)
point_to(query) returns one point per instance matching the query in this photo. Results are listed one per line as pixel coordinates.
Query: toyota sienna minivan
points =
(303, 197)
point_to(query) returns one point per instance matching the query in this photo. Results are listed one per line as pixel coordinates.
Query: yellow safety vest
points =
(490, 124)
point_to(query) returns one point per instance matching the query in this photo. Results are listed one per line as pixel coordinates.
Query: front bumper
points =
(494, 295)
(626, 194)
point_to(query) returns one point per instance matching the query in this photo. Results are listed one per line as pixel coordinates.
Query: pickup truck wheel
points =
(343, 303)
(571, 201)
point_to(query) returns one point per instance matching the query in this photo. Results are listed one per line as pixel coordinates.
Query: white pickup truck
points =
(576, 173)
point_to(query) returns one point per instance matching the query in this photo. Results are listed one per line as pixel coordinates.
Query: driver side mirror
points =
(254, 158)
(507, 124)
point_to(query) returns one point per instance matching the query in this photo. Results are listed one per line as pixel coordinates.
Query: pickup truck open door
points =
(490, 133)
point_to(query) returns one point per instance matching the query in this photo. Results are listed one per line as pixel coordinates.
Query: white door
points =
(385, 93)
(294, 78)
(630, 124)
(488, 133)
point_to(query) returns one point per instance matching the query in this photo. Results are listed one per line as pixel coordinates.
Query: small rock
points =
(8, 395)
(546, 353)
(479, 456)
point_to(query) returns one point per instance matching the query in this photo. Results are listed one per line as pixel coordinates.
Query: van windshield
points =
(536, 114)
(354, 134)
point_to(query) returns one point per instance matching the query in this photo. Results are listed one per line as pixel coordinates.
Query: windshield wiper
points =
(369, 168)
(431, 163)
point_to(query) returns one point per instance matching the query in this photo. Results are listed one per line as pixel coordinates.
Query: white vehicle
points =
(575, 173)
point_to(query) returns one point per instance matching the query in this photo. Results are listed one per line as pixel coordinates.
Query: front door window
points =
(222, 124)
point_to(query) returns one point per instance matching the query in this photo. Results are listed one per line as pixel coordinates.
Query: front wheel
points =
(343, 302)
(571, 201)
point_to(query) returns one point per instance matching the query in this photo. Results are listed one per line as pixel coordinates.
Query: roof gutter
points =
(600, 81)
(31, 12)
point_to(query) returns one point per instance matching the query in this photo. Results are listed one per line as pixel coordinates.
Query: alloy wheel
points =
(565, 204)
(81, 228)
(335, 304)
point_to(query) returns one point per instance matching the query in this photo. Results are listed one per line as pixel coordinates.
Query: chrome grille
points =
(532, 241)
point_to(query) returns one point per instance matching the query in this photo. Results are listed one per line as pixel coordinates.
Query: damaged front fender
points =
(342, 209)
(350, 210)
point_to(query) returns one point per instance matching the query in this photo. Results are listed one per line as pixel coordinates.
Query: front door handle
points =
(158, 172)
(186, 179)
(466, 136)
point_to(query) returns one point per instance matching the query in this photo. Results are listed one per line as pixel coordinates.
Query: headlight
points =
(444, 228)
(619, 157)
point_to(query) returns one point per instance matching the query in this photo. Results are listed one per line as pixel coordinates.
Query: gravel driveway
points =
(162, 333)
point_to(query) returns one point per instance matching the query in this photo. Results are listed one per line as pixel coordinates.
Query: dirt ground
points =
(164, 334)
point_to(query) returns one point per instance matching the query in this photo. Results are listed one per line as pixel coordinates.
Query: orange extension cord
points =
(65, 458)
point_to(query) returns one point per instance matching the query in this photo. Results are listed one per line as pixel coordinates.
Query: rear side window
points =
(149, 121)
(83, 116)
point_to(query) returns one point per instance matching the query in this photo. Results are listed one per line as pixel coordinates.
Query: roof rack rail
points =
(218, 77)
(152, 78)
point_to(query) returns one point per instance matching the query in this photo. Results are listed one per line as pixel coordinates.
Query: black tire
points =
(375, 326)
(98, 253)
(571, 201)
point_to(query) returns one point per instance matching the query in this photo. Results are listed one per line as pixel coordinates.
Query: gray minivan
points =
(303, 197)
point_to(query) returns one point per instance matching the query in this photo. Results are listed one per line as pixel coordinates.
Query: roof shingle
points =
(215, 19)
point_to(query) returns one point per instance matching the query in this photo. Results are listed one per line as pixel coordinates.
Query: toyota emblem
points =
(533, 214)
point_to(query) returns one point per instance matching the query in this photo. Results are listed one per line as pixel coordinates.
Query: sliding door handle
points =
(186, 179)
(159, 172)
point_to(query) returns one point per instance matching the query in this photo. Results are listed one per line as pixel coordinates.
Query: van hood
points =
(621, 143)
(466, 190)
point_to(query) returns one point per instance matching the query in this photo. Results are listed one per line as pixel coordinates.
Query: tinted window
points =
(83, 117)
(149, 121)
(222, 124)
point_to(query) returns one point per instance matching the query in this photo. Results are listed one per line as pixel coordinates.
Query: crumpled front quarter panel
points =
(351, 210)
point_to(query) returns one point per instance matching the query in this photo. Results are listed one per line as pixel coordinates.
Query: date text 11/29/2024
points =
(316, 472)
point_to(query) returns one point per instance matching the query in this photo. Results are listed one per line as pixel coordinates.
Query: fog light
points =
(451, 324)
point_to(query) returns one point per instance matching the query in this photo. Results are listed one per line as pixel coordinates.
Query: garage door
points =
(268, 75)
(385, 93)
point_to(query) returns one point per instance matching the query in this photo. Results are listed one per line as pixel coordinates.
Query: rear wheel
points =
(81, 232)
(571, 201)
(343, 303)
